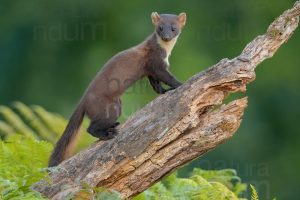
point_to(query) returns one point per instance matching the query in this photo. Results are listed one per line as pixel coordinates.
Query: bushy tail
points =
(65, 144)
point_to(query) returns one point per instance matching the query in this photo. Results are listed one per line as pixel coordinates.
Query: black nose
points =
(166, 37)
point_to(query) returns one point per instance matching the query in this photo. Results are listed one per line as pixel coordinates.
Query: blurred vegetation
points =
(200, 185)
(37, 123)
(50, 51)
(24, 161)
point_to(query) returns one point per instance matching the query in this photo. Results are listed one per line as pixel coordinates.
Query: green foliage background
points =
(24, 161)
(50, 50)
(25, 149)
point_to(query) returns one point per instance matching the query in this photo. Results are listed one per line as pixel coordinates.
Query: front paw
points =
(172, 88)
(177, 85)
(162, 91)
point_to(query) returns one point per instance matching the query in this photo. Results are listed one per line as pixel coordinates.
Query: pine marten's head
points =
(168, 26)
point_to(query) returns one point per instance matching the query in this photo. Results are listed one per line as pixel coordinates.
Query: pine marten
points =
(101, 101)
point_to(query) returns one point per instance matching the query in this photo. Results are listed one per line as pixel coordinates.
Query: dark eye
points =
(173, 28)
(161, 27)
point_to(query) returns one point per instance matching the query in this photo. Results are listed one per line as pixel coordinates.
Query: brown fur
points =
(101, 101)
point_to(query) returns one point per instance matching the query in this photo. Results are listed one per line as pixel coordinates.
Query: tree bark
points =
(173, 129)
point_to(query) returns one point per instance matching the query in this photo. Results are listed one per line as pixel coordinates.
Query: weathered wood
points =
(173, 129)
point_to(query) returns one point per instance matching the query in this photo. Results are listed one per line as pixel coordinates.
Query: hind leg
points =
(103, 119)
(103, 130)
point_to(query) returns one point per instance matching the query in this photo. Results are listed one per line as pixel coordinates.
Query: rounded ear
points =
(182, 18)
(155, 18)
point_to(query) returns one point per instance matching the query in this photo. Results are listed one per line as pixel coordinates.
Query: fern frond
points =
(34, 121)
(22, 160)
(254, 195)
(16, 122)
(227, 177)
(56, 123)
(6, 129)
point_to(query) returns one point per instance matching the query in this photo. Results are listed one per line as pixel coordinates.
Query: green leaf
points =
(22, 161)
(254, 195)
(16, 122)
(34, 122)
